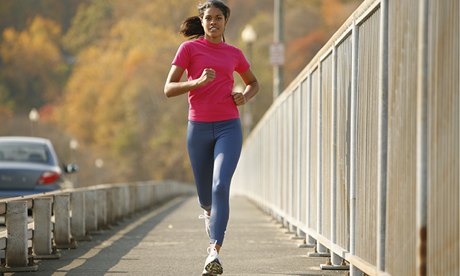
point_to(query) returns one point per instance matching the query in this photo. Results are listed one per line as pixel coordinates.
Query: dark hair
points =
(191, 27)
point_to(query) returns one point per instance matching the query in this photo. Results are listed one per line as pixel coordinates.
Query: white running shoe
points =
(207, 222)
(212, 265)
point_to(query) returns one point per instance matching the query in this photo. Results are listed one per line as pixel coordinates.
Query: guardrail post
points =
(62, 235)
(78, 220)
(138, 201)
(132, 199)
(118, 204)
(156, 194)
(146, 194)
(125, 200)
(17, 252)
(42, 243)
(112, 205)
(101, 209)
(91, 211)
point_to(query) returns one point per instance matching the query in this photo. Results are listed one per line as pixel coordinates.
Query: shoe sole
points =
(213, 268)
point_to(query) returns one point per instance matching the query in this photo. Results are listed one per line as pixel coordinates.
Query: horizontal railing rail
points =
(60, 219)
(360, 153)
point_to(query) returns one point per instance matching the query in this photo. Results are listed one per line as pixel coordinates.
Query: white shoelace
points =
(212, 248)
(207, 222)
(204, 216)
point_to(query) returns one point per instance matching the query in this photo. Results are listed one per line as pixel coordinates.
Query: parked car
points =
(29, 165)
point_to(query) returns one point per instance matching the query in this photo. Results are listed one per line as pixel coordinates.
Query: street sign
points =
(277, 54)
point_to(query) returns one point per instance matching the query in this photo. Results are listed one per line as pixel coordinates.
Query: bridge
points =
(358, 160)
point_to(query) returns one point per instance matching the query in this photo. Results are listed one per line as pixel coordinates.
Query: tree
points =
(33, 67)
(17, 14)
(90, 24)
(108, 83)
(120, 74)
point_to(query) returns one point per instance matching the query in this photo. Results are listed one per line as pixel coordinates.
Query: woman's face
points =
(213, 22)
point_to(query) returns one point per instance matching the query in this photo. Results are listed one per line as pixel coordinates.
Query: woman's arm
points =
(174, 87)
(252, 87)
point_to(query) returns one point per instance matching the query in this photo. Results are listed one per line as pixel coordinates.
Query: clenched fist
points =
(208, 75)
(239, 98)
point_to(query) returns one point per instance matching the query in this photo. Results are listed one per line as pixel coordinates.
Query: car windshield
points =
(23, 152)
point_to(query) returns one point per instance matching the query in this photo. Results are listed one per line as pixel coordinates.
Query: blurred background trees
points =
(95, 70)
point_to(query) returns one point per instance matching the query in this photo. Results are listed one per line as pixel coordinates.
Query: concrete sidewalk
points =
(171, 240)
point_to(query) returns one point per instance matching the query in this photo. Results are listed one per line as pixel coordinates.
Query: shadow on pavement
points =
(105, 250)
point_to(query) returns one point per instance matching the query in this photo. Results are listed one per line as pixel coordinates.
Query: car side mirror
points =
(70, 168)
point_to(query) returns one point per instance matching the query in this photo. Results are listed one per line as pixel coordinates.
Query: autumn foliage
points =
(96, 70)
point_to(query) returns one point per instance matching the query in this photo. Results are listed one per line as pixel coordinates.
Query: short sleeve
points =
(242, 63)
(182, 57)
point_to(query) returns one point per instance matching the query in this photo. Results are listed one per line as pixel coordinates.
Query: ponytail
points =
(191, 27)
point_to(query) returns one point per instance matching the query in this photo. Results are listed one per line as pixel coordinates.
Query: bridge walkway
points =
(170, 240)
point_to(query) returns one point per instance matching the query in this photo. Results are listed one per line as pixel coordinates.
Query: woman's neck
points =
(215, 40)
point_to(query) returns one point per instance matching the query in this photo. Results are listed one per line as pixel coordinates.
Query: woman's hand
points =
(175, 87)
(208, 75)
(239, 98)
(250, 90)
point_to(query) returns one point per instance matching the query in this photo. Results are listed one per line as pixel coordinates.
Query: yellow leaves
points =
(33, 64)
(9, 34)
(45, 29)
(123, 50)
(33, 49)
(120, 79)
(134, 60)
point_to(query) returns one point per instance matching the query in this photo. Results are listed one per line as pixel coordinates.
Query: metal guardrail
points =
(360, 154)
(60, 219)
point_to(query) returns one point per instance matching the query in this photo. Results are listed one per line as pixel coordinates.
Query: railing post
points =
(309, 240)
(422, 140)
(353, 142)
(62, 235)
(136, 200)
(132, 199)
(112, 205)
(336, 261)
(78, 220)
(277, 161)
(154, 193)
(300, 165)
(102, 220)
(382, 136)
(126, 201)
(17, 252)
(143, 194)
(321, 250)
(119, 203)
(42, 242)
(91, 211)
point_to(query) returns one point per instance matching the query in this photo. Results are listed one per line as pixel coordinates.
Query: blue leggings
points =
(214, 149)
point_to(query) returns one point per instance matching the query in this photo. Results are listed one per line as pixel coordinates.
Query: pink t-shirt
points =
(213, 101)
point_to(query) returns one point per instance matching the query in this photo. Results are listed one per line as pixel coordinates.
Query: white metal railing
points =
(360, 154)
(60, 219)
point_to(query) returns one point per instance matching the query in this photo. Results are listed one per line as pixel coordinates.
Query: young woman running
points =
(214, 136)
